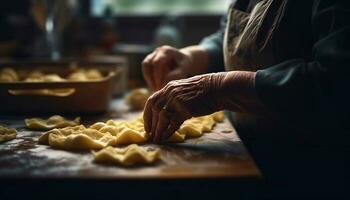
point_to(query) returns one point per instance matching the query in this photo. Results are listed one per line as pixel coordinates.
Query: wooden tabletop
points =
(219, 154)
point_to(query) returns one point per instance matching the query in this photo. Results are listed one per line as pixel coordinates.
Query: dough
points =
(137, 98)
(85, 75)
(7, 134)
(195, 127)
(219, 116)
(93, 74)
(77, 138)
(113, 133)
(8, 75)
(130, 155)
(37, 76)
(55, 121)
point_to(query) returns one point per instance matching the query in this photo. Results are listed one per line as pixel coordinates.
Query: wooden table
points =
(215, 155)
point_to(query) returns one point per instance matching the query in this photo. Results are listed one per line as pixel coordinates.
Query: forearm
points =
(199, 58)
(235, 91)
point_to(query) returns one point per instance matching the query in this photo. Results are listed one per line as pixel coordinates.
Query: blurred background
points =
(51, 29)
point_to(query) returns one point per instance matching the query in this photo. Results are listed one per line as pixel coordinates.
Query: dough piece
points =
(44, 139)
(7, 134)
(125, 132)
(35, 75)
(83, 139)
(111, 133)
(38, 76)
(8, 75)
(77, 76)
(177, 137)
(130, 155)
(219, 116)
(55, 121)
(85, 75)
(137, 98)
(191, 130)
(93, 74)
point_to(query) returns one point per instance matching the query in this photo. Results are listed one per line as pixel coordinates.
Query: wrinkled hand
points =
(178, 101)
(165, 64)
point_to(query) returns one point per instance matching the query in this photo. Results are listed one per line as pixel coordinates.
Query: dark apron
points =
(242, 50)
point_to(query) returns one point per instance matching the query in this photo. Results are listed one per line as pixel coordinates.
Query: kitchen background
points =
(51, 29)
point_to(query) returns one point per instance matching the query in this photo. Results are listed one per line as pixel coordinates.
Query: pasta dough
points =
(7, 134)
(130, 155)
(37, 76)
(137, 98)
(8, 75)
(77, 138)
(113, 133)
(85, 75)
(55, 121)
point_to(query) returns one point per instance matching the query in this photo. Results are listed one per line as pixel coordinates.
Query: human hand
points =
(178, 101)
(165, 64)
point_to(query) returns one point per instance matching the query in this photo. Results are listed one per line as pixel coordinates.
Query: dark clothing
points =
(302, 59)
(307, 82)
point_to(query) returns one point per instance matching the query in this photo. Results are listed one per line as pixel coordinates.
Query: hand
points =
(179, 100)
(165, 64)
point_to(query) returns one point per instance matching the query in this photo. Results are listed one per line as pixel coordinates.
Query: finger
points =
(147, 70)
(171, 51)
(180, 114)
(157, 107)
(163, 123)
(147, 113)
(169, 75)
(161, 64)
(154, 124)
(174, 125)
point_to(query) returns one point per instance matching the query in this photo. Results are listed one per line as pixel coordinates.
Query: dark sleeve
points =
(320, 85)
(214, 46)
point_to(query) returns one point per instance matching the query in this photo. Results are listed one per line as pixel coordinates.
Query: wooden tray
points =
(86, 97)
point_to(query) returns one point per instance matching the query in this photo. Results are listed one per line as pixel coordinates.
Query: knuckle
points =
(168, 88)
(174, 86)
(153, 97)
(172, 83)
(165, 47)
(167, 50)
(157, 62)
